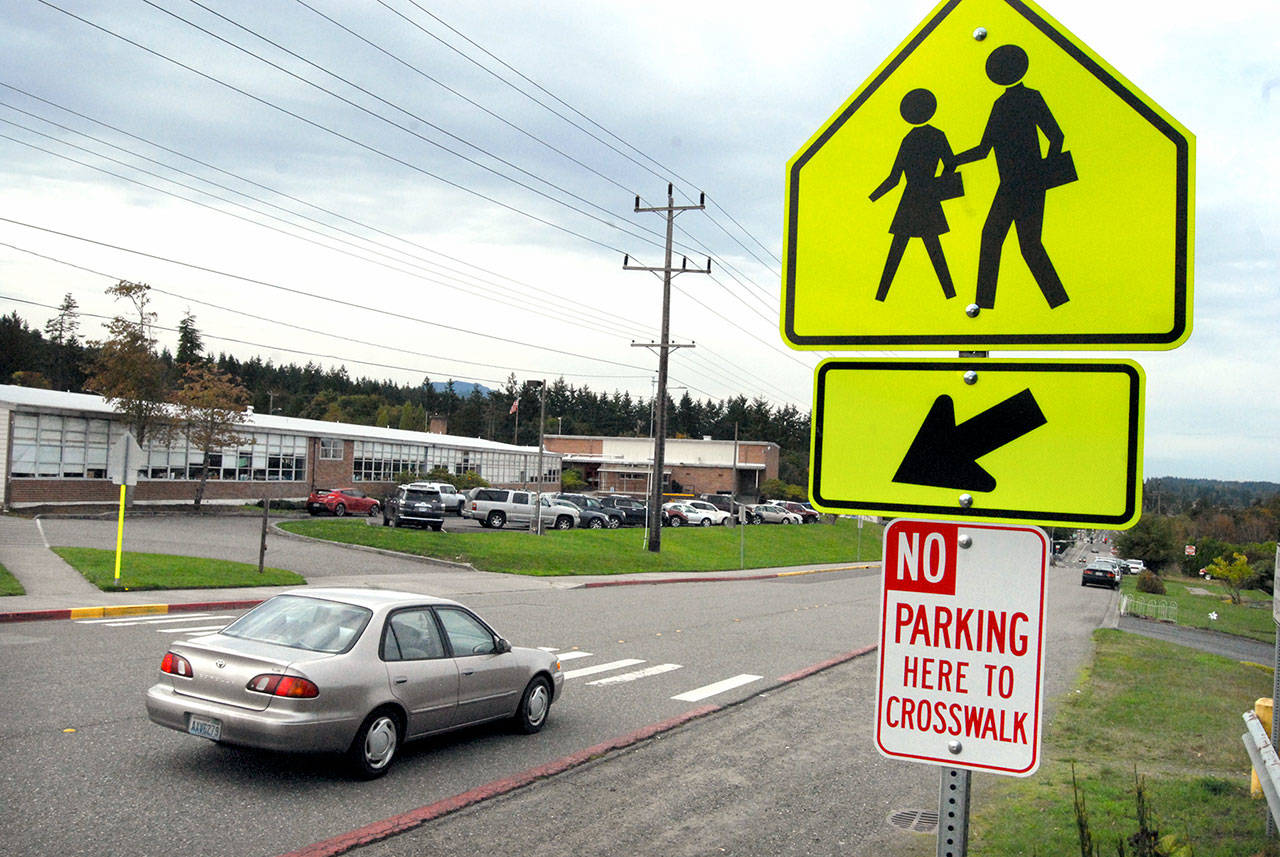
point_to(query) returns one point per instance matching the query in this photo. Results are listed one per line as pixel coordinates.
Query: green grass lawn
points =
(621, 551)
(142, 571)
(1252, 618)
(9, 584)
(1142, 704)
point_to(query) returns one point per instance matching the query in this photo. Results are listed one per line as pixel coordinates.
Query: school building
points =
(55, 449)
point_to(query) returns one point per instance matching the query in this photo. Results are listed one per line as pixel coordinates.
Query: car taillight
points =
(176, 665)
(291, 686)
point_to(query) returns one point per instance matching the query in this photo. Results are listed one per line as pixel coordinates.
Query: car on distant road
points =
(350, 671)
(1135, 566)
(633, 511)
(414, 505)
(342, 501)
(769, 513)
(1099, 573)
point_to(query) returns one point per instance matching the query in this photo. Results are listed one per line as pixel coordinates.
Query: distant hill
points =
(1173, 494)
(462, 388)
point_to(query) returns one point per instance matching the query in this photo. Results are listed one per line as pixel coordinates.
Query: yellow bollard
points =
(1262, 710)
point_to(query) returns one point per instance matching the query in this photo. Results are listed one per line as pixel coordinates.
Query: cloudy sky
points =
(446, 189)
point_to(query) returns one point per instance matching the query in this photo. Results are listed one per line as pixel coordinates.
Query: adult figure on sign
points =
(919, 213)
(1012, 133)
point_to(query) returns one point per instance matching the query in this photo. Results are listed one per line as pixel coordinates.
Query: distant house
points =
(706, 466)
(54, 450)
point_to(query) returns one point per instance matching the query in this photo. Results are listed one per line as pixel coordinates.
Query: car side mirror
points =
(502, 646)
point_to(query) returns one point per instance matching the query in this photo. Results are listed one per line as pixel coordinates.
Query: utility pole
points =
(664, 347)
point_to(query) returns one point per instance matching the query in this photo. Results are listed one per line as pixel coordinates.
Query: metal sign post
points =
(123, 461)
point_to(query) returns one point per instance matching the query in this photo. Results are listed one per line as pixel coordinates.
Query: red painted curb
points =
(65, 613)
(415, 818)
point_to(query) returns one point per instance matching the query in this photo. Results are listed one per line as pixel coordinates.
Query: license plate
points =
(205, 727)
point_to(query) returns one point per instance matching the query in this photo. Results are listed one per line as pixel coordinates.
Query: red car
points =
(808, 515)
(342, 501)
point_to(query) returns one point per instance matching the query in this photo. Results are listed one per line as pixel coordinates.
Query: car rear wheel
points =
(534, 706)
(375, 510)
(496, 520)
(676, 522)
(339, 510)
(375, 744)
(706, 522)
(438, 527)
(786, 520)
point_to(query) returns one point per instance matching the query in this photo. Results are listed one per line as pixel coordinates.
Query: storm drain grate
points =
(915, 820)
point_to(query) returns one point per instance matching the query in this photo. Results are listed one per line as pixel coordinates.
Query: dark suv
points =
(416, 506)
(633, 511)
(592, 511)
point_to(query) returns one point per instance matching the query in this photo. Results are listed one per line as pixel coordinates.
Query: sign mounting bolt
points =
(966, 500)
(979, 34)
(971, 377)
(972, 310)
(954, 747)
(965, 540)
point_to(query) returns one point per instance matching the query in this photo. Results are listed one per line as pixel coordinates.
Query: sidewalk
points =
(56, 590)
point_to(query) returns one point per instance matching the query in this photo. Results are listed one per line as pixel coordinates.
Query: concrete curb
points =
(708, 578)
(406, 821)
(124, 610)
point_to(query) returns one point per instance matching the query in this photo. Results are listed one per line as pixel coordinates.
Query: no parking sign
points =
(962, 645)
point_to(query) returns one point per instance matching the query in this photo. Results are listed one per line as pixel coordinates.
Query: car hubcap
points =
(380, 742)
(536, 709)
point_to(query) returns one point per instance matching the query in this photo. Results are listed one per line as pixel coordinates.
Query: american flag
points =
(515, 406)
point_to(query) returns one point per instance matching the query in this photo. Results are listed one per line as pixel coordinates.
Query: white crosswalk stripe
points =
(602, 668)
(638, 674)
(202, 629)
(701, 693)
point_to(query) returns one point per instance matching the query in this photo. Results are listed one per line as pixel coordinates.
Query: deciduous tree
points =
(126, 371)
(210, 406)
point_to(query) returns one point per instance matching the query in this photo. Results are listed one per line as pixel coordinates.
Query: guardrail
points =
(1161, 609)
(1265, 762)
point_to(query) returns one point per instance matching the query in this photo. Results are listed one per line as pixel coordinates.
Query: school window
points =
(331, 449)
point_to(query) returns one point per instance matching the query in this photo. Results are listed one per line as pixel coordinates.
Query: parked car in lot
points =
(592, 513)
(351, 671)
(807, 514)
(768, 513)
(718, 516)
(449, 495)
(414, 505)
(633, 511)
(496, 507)
(342, 501)
(724, 502)
(1100, 573)
(687, 515)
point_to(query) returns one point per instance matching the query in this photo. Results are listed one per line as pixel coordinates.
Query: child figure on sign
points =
(919, 213)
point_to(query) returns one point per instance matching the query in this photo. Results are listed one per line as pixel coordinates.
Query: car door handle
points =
(468, 672)
(401, 679)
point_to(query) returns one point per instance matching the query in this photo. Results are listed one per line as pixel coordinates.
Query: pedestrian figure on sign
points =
(919, 213)
(1012, 133)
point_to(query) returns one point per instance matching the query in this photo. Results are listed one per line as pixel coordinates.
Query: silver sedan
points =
(354, 671)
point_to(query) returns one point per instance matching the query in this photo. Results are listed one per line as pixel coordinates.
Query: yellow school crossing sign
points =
(993, 184)
(1036, 441)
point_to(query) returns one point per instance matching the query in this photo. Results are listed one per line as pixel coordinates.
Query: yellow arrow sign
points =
(1033, 441)
(991, 121)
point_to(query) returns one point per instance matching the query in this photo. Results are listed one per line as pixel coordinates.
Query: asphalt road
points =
(790, 770)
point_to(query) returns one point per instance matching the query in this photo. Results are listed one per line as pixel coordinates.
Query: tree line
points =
(58, 357)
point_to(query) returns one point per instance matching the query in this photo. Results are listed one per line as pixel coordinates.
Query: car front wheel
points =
(614, 523)
(564, 522)
(375, 745)
(675, 522)
(375, 510)
(596, 524)
(339, 510)
(534, 706)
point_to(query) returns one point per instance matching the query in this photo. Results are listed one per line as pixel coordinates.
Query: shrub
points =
(1150, 582)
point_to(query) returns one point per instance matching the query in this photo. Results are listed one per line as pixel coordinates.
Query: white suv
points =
(449, 495)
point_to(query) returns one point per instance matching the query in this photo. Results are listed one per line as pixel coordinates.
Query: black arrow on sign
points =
(944, 455)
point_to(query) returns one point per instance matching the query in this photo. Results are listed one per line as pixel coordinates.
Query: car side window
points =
(520, 498)
(467, 634)
(412, 635)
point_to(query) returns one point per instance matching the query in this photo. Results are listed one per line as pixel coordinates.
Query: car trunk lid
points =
(222, 668)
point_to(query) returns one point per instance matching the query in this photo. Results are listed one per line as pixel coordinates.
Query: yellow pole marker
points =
(120, 534)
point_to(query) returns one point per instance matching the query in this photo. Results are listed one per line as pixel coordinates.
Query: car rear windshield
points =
(302, 623)
(421, 496)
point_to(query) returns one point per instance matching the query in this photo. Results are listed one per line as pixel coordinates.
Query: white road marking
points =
(189, 630)
(573, 656)
(164, 619)
(632, 676)
(719, 687)
(140, 616)
(603, 668)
